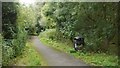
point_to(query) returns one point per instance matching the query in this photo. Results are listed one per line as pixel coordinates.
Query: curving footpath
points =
(54, 57)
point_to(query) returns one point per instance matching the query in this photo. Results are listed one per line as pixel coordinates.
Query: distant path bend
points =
(54, 57)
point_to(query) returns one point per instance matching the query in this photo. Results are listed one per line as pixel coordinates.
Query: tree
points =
(95, 21)
(9, 22)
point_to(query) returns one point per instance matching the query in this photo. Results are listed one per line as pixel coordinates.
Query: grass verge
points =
(30, 57)
(95, 59)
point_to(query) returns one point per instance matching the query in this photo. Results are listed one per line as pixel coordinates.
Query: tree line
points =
(97, 22)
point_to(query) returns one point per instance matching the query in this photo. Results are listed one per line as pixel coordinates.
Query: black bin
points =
(78, 42)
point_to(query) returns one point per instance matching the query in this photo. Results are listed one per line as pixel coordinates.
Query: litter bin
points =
(78, 42)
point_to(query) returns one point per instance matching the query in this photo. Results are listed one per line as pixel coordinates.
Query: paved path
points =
(54, 57)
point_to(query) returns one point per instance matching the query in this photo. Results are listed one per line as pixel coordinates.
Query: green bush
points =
(14, 34)
(95, 21)
(13, 48)
(53, 34)
(7, 51)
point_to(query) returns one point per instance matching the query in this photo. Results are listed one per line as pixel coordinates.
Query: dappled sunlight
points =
(27, 2)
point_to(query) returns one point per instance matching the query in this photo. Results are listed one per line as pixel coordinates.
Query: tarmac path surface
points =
(54, 57)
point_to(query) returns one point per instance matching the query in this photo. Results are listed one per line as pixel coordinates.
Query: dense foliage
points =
(97, 22)
(9, 22)
(15, 18)
(13, 37)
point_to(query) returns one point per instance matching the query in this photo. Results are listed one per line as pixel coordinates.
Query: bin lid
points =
(78, 37)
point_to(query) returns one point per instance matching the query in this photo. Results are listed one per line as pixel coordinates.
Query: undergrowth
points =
(29, 57)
